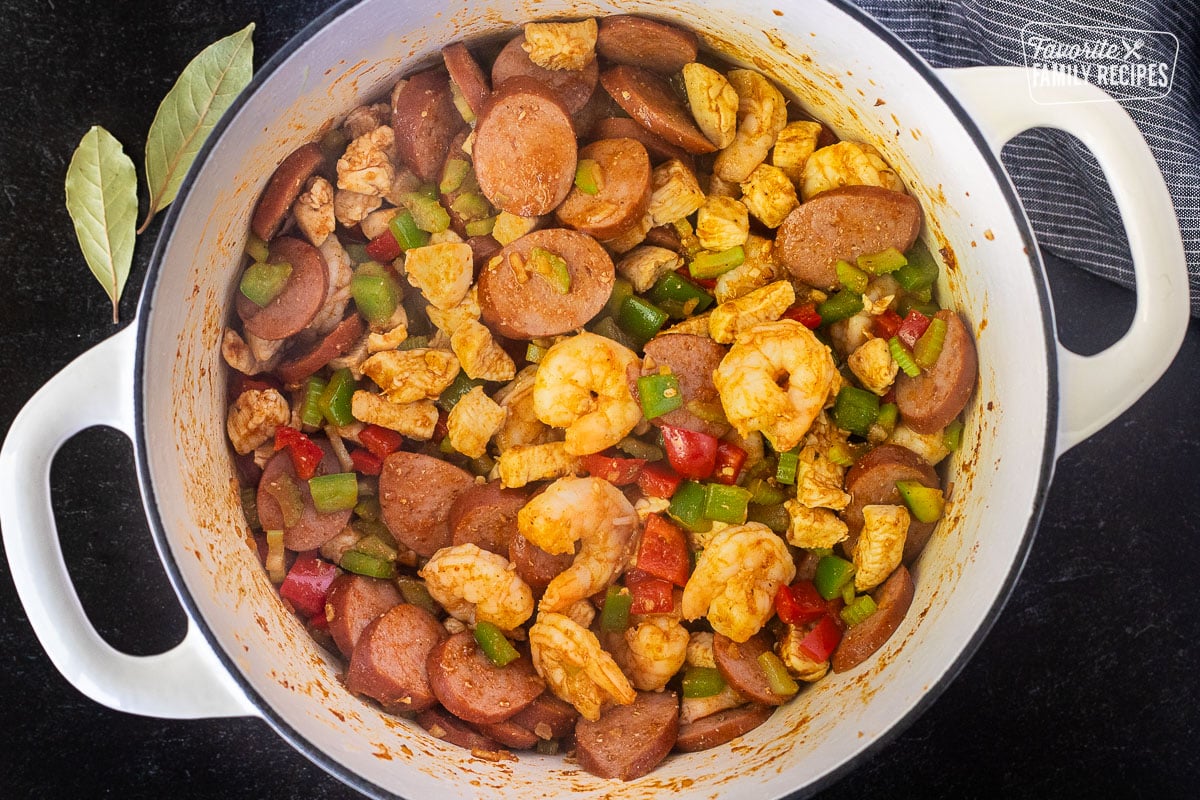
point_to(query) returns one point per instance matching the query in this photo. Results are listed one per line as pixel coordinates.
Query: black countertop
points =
(1087, 685)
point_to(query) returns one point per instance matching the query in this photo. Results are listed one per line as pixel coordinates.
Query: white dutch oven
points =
(161, 382)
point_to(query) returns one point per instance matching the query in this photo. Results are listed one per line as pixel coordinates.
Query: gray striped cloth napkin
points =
(1061, 185)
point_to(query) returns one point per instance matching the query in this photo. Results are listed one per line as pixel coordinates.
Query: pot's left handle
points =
(187, 681)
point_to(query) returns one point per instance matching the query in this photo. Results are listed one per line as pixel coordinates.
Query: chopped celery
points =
(336, 492)
(453, 174)
(785, 472)
(778, 679)
(552, 267)
(726, 503)
(262, 282)
(920, 272)
(952, 435)
(471, 206)
(859, 610)
(853, 278)
(924, 502)
(840, 305)
(929, 346)
(481, 227)
(889, 260)
(364, 564)
(587, 176)
(902, 358)
(407, 234)
(494, 644)
(275, 564)
(708, 264)
(310, 413)
(426, 211)
(702, 682)
(257, 249)
(375, 296)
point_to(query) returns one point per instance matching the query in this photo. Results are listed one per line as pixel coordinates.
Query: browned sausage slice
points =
(872, 480)
(692, 359)
(624, 127)
(629, 741)
(931, 401)
(648, 99)
(354, 601)
(302, 295)
(645, 43)
(338, 341)
(467, 75)
(534, 565)
(486, 515)
(738, 665)
(388, 662)
(425, 122)
(844, 224)
(441, 724)
(573, 87)
(623, 195)
(416, 492)
(472, 688)
(524, 149)
(283, 188)
(892, 600)
(547, 716)
(314, 528)
(482, 250)
(520, 305)
(510, 734)
(724, 726)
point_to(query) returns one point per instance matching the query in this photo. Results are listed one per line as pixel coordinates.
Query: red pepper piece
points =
(319, 621)
(381, 441)
(365, 462)
(307, 583)
(823, 639)
(658, 480)
(239, 383)
(806, 314)
(384, 248)
(799, 604)
(651, 595)
(306, 454)
(663, 551)
(912, 328)
(730, 459)
(887, 324)
(617, 471)
(692, 454)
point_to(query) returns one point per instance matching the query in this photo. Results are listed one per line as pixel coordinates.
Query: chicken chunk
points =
(795, 143)
(674, 192)
(813, 527)
(761, 305)
(239, 355)
(366, 166)
(722, 223)
(449, 319)
(407, 376)
(713, 101)
(365, 118)
(390, 334)
(769, 195)
(630, 238)
(846, 164)
(473, 421)
(880, 546)
(757, 269)
(873, 365)
(351, 208)
(376, 223)
(253, 418)
(510, 227)
(643, 266)
(313, 211)
(479, 355)
(819, 480)
(523, 464)
(414, 420)
(561, 45)
(761, 115)
(442, 272)
(799, 663)
(929, 446)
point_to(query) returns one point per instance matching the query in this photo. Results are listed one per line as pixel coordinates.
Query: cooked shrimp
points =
(521, 426)
(581, 385)
(776, 379)
(736, 578)
(587, 510)
(655, 650)
(575, 667)
(341, 271)
(474, 585)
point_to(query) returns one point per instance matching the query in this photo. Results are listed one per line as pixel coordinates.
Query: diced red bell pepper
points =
(912, 327)
(799, 604)
(366, 462)
(239, 383)
(307, 583)
(730, 459)
(306, 454)
(617, 471)
(887, 324)
(692, 454)
(384, 248)
(663, 551)
(806, 314)
(658, 480)
(651, 595)
(823, 639)
(381, 441)
(319, 621)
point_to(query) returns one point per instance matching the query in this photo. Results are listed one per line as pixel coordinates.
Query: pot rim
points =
(371, 789)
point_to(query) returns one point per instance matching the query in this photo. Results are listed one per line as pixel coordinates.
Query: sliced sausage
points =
(467, 75)
(354, 601)
(664, 236)
(724, 726)
(892, 600)
(482, 250)
(629, 741)
(472, 688)
(534, 565)
(843, 224)
(872, 481)
(573, 87)
(647, 98)
(738, 665)
(624, 127)
(416, 493)
(314, 528)
(510, 734)
(623, 192)
(441, 724)
(486, 515)
(931, 401)
(388, 661)
(337, 342)
(425, 122)
(283, 188)
(646, 43)
(547, 716)
(692, 359)
(524, 306)
(599, 106)
(524, 149)
(302, 295)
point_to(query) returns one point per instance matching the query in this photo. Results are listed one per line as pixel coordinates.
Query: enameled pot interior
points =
(828, 58)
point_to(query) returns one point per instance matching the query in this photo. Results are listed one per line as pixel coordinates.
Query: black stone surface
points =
(1086, 687)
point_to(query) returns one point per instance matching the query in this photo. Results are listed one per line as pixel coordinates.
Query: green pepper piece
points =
(614, 615)
(763, 493)
(494, 644)
(534, 353)
(785, 472)
(673, 290)
(364, 564)
(310, 413)
(262, 282)
(641, 319)
(639, 449)
(622, 290)
(659, 394)
(334, 402)
(587, 176)
(415, 593)
(726, 503)
(453, 174)
(414, 343)
(920, 272)
(853, 278)
(832, 575)
(552, 267)
(368, 509)
(952, 435)
(778, 679)
(426, 211)
(707, 264)
(702, 682)
(924, 502)
(888, 414)
(457, 389)
(889, 260)
(855, 410)
(929, 346)
(285, 492)
(257, 249)
(774, 517)
(481, 227)
(608, 328)
(376, 297)
(357, 252)
(687, 507)
(859, 610)
(249, 498)
(909, 303)
(471, 206)
(336, 492)
(840, 305)
(405, 229)
(376, 546)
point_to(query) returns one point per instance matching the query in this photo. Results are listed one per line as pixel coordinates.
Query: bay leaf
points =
(202, 93)
(101, 190)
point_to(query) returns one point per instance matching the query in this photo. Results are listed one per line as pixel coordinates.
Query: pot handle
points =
(185, 682)
(1094, 390)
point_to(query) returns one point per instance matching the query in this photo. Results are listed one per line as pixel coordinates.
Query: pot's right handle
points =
(1094, 390)
(185, 682)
